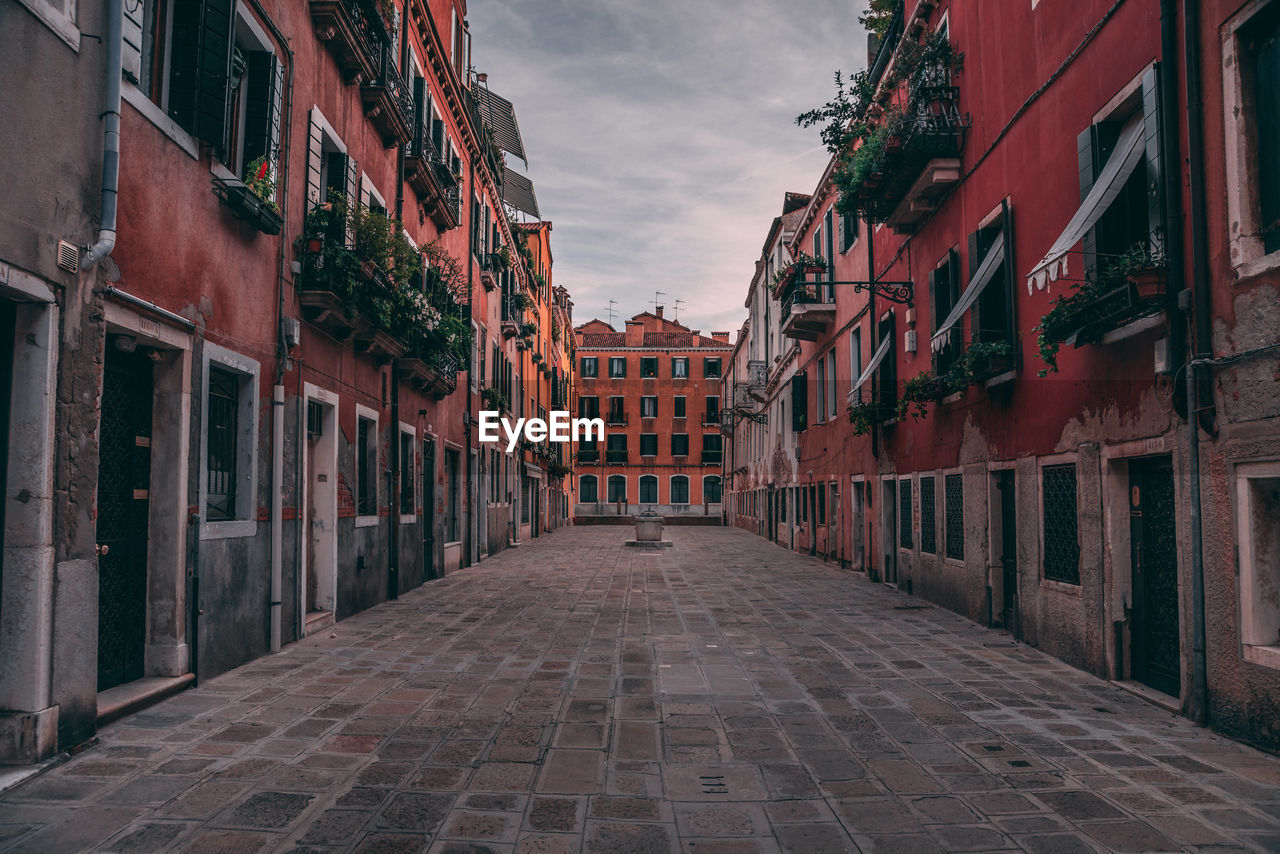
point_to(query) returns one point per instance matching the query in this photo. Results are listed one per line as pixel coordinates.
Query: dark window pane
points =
(928, 519)
(953, 486)
(904, 515)
(1061, 528)
(223, 444)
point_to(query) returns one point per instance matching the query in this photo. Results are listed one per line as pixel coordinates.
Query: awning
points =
(500, 115)
(881, 352)
(517, 191)
(986, 272)
(1120, 165)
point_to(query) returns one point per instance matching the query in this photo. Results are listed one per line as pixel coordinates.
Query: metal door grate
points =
(928, 517)
(953, 486)
(1061, 527)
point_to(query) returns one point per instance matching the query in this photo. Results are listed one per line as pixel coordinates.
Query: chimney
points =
(658, 311)
(722, 337)
(635, 333)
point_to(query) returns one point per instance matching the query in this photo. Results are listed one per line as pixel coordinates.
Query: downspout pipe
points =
(1201, 347)
(110, 138)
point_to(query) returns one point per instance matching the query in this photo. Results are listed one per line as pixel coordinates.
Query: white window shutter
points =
(132, 55)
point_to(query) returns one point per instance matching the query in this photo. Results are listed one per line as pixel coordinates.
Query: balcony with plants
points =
(431, 177)
(1121, 290)
(362, 280)
(897, 138)
(808, 306)
(388, 102)
(493, 265)
(354, 31)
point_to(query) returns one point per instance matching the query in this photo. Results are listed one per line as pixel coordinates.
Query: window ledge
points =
(1267, 656)
(228, 530)
(1257, 267)
(951, 561)
(152, 113)
(367, 521)
(62, 25)
(408, 518)
(954, 397)
(1001, 379)
(1060, 587)
(1137, 327)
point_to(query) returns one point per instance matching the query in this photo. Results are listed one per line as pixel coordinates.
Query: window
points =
(1061, 525)
(648, 444)
(617, 488)
(589, 407)
(822, 398)
(253, 113)
(366, 466)
(588, 489)
(993, 317)
(616, 413)
(712, 415)
(711, 448)
(680, 367)
(831, 382)
(679, 489)
(799, 402)
(711, 367)
(648, 489)
(711, 489)
(590, 366)
(848, 231)
(821, 491)
(648, 367)
(222, 459)
(855, 360)
(953, 489)
(648, 406)
(1251, 65)
(1258, 532)
(944, 290)
(526, 501)
(616, 449)
(905, 521)
(679, 444)
(452, 495)
(678, 404)
(408, 487)
(928, 518)
(617, 366)
(782, 505)
(887, 373)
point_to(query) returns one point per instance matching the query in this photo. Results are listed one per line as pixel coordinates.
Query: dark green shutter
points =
(260, 100)
(213, 77)
(1010, 283)
(799, 403)
(1087, 164)
(184, 67)
(1152, 140)
(315, 159)
(420, 117)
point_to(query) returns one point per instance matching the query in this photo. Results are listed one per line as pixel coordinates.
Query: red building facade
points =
(990, 398)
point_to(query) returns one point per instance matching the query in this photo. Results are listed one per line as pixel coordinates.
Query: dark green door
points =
(124, 476)
(1153, 546)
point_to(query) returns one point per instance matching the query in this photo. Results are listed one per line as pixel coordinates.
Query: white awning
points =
(986, 272)
(880, 353)
(1120, 165)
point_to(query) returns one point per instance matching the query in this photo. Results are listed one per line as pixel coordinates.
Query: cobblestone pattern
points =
(720, 696)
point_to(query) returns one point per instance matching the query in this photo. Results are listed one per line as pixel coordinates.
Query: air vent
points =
(68, 256)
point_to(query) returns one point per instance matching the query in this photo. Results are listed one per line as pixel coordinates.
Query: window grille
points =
(905, 539)
(953, 486)
(928, 523)
(1061, 526)
(366, 447)
(223, 450)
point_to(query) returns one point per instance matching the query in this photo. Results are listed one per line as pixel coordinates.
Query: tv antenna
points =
(675, 309)
(656, 295)
(612, 303)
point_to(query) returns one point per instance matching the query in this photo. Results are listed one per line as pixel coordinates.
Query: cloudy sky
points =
(661, 135)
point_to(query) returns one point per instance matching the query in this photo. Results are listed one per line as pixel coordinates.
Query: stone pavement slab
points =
(719, 697)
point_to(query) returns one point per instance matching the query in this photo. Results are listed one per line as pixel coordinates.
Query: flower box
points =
(247, 205)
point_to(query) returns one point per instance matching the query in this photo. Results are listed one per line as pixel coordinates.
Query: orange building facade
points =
(656, 385)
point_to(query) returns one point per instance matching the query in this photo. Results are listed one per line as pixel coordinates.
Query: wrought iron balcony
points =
(447, 211)
(615, 418)
(354, 32)
(614, 457)
(808, 311)
(589, 456)
(712, 458)
(387, 100)
(711, 418)
(757, 378)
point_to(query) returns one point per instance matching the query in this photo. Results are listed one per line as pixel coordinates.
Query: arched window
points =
(588, 489)
(617, 488)
(648, 489)
(679, 489)
(711, 489)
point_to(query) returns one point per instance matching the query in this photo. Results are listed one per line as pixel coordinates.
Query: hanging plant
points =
(260, 177)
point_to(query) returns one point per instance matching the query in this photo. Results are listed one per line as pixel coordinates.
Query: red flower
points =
(262, 170)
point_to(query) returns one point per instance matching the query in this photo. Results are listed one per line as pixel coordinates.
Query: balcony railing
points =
(712, 458)
(808, 309)
(588, 456)
(616, 419)
(354, 32)
(757, 374)
(711, 418)
(615, 457)
(387, 100)
(886, 46)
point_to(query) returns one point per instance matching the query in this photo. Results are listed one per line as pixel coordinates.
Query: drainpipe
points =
(393, 476)
(110, 138)
(1202, 347)
(277, 507)
(1174, 216)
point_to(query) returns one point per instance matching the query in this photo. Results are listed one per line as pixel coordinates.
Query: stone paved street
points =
(720, 696)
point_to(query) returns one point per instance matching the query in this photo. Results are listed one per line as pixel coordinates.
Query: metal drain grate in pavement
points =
(714, 785)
